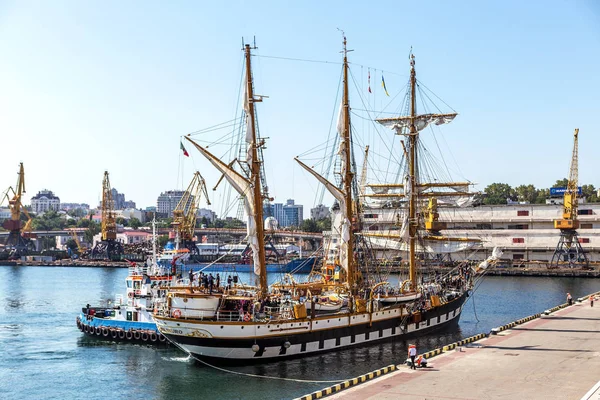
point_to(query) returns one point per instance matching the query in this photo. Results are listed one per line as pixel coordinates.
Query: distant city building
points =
(118, 199)
(274, 210)
(43, 201)
(131, 213)
(293, 214)
(206, 213)
(128, 204)
(151, 209)
(4, 213)
(74, 206)
(319, 212)
(167, 201)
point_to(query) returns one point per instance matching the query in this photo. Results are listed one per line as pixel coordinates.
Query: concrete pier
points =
(555, 356)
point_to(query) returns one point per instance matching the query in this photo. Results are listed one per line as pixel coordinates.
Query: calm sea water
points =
(44, 356)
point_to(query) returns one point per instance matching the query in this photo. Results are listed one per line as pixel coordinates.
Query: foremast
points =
(255, 166)
(249, 188)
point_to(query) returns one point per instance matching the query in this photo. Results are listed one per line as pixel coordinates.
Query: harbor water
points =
(44, 356)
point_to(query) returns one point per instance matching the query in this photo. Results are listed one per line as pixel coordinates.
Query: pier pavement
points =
(556, 356)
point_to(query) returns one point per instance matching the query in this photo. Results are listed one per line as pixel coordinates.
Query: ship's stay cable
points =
(266, 376)
(323, 62)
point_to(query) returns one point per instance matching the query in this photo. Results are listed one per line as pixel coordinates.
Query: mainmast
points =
(412, 144)
(255, 165)
(347, 176)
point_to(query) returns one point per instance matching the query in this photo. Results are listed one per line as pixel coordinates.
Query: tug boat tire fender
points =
(128, 335)
(114, 333)
(97, 331)
(153, 337)
(136, 335)
(162, 338)
(144, 336)
(121, 334)
(105, 331)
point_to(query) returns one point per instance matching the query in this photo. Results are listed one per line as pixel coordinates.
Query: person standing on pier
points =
(569, 299)
(592, 300)
(412, 353)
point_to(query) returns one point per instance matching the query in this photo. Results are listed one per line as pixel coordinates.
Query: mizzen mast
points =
(255, 166)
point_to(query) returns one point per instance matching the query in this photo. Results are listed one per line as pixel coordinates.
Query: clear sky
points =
(92, 86)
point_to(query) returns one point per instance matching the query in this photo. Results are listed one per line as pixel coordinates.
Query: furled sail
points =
(344, 222)
(421, 121)
(243, 186)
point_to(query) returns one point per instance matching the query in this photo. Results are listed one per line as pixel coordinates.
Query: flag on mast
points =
(369, 80)
(185, 153)
(383, 85)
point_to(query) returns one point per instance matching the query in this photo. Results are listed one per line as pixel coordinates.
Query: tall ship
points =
(345, 305)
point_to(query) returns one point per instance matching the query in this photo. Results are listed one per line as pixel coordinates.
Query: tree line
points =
(500, 193)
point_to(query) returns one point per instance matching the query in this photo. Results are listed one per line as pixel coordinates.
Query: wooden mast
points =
(412, 144)
(255, 180)
(348, 172)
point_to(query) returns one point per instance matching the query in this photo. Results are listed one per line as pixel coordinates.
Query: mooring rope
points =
(265, 376)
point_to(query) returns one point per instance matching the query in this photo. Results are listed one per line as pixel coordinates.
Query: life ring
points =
(247, 317)
(121, 334)
(114, 333)
(144, 336)
(176, 313)
(153, 337)
(136, 335)
(162, 337)
(105, 332)
(128, 335)
(130, 294)
(97, 331)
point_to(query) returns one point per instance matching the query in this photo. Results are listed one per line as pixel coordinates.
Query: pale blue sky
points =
(87, 87)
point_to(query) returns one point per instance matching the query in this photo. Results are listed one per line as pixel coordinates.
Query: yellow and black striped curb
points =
(349, 383)
(517, 322)
(451, 346)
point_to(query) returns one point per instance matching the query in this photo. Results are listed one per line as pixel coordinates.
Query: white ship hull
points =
(267, 341)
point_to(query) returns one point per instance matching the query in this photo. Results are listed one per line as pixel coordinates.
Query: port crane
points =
(569, 250)
(109, 247)
(18, 241)
(184, 214)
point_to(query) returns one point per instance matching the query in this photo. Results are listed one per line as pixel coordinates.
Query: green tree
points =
(561, 183)
(541, 195)
(324, 224)
(122, 221)
(49, 221)
(135, 223)
(309, 225)
(71, 244)
(93, 229)
(590, 193)
(498, 193)
(527, 193)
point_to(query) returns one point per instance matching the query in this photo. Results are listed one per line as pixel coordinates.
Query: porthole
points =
(242, 327)
(221, 326)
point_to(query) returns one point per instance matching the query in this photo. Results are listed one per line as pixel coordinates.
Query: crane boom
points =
(184, 214)
(569, 249)
(569, 215)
